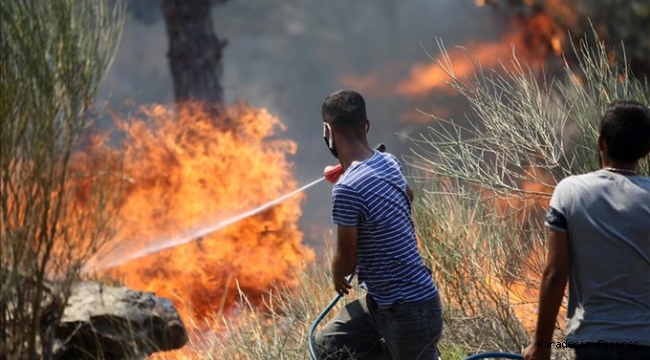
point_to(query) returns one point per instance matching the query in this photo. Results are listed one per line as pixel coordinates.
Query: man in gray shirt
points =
(599, 239)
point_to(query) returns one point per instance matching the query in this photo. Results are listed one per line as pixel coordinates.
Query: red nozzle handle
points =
(332, 173)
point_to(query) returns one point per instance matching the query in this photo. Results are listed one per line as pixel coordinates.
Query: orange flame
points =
(425, 78)
(378, 84)
(533, 37)
(186, 173)
(65, 203)
(526, 210)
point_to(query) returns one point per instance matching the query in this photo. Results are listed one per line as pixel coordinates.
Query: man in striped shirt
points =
(400, 317)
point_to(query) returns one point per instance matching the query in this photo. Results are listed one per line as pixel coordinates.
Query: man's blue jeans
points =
(363, 330)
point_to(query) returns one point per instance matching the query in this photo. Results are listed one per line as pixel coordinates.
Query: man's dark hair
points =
(345, 110)
(625, 128)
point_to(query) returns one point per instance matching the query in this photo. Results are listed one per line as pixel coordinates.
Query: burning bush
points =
(54, 54)
(187, 175)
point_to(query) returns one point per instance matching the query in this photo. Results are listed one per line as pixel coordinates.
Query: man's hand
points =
(534, 352)
(341, 285)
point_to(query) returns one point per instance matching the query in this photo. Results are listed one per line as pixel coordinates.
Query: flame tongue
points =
(187, 173)
(535, 35)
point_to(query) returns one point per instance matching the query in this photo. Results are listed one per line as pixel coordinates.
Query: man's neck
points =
(355, 152)
(614, 165)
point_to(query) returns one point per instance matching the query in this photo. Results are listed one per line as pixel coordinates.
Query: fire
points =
(425, 78)
(525, 211)
(376, 84)
(533, 38)
(466, 61)
(187, 173)
(74, 199)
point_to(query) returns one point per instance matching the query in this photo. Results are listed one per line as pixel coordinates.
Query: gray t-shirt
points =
(607, 217)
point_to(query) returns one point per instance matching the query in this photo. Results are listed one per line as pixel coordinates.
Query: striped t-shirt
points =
(371, 195)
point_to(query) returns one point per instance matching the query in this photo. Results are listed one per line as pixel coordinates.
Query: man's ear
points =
(367, 125)
(602, 146)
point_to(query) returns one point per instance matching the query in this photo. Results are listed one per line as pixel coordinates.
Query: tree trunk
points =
(194, 52)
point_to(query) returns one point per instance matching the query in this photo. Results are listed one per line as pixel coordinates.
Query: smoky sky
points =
(287, 56)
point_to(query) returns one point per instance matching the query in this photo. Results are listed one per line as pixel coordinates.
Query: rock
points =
(101, 322)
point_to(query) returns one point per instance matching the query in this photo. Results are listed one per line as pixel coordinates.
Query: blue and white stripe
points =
(371, 195)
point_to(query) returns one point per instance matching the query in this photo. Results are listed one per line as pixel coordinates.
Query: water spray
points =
(172, 242)
(331, 174)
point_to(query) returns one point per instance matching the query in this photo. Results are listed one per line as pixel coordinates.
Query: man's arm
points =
(345, 258)
(554, 281)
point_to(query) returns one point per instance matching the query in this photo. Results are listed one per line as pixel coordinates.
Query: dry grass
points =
(276, 331)
(486, 187)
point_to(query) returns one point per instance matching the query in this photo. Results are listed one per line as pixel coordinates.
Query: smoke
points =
(287, 56)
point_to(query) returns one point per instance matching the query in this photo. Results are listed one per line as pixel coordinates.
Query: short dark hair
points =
(625, 128)
(345, 110)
